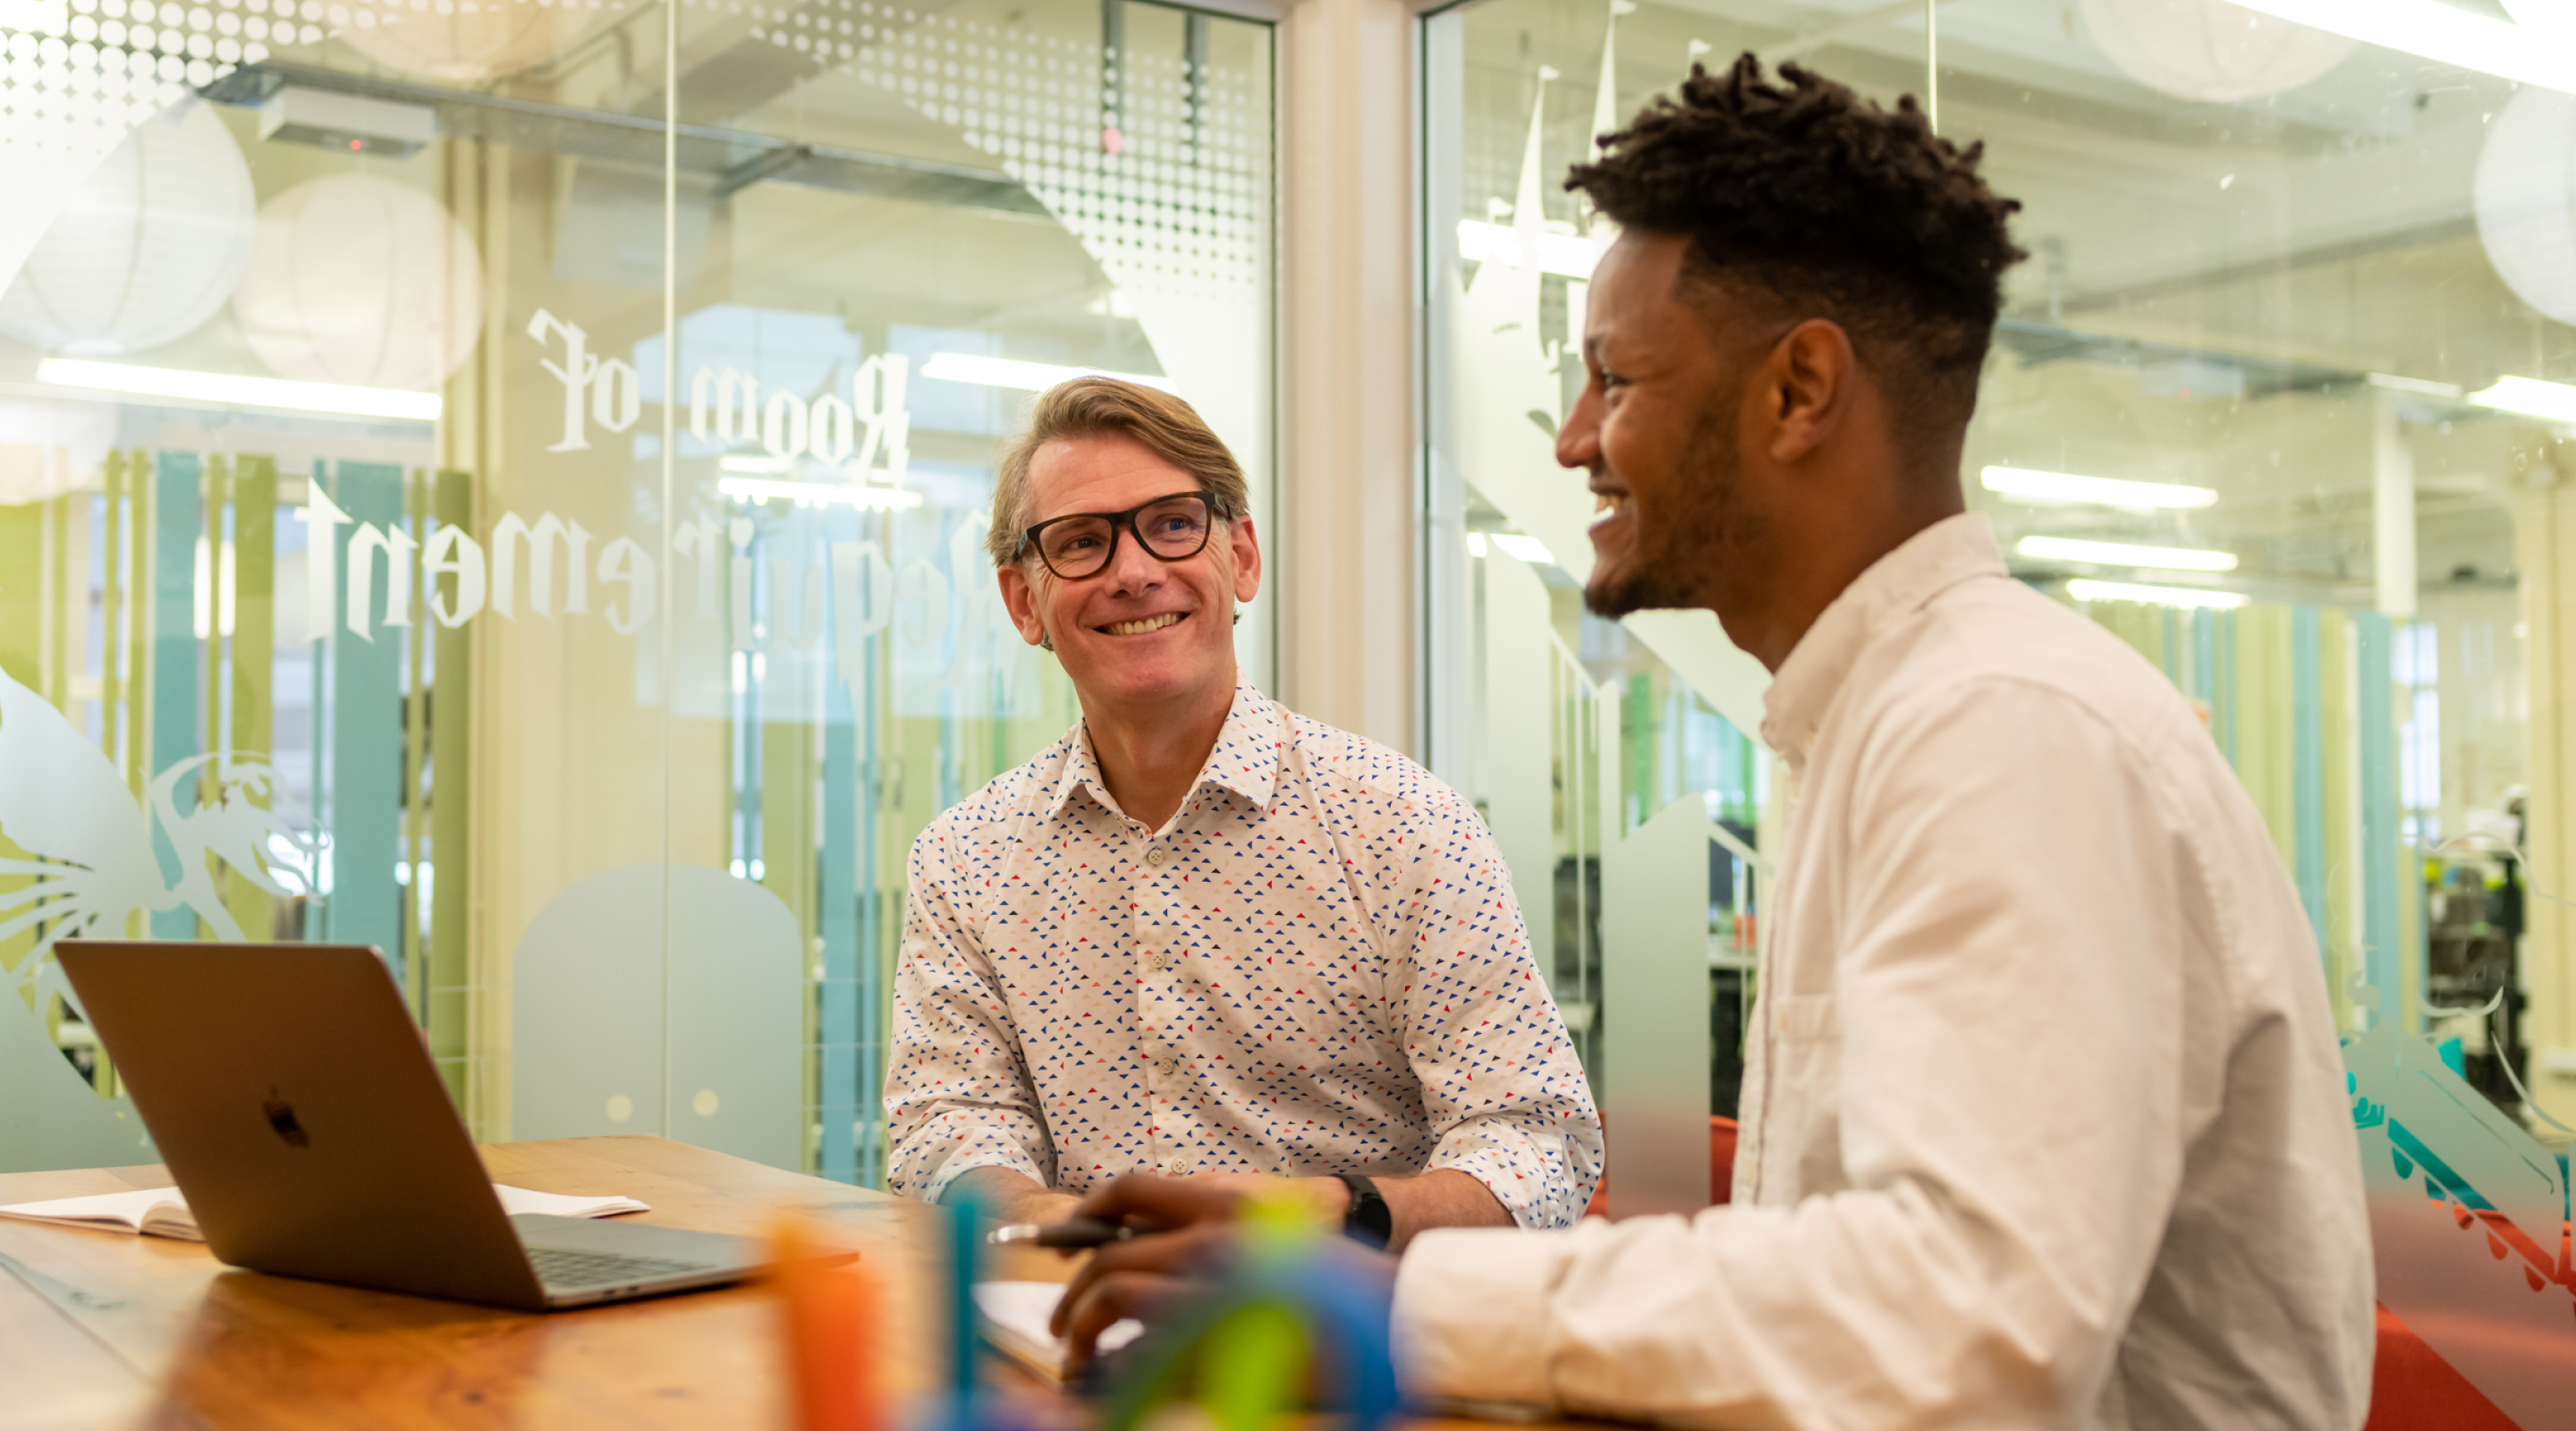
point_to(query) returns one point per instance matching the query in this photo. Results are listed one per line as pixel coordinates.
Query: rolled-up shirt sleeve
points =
(1501, 1087)
(958, 1094)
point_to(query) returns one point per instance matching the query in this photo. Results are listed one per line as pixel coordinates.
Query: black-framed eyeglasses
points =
(1080, 544)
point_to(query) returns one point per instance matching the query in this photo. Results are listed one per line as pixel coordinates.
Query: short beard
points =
(1679, 557)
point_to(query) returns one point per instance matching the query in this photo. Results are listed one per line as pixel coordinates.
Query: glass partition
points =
(1613, 760)
(2282, 398)
(506, 484)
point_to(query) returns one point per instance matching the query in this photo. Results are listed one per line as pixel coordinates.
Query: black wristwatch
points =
(1369, 1220)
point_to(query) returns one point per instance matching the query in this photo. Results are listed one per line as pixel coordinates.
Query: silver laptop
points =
(299, 1112)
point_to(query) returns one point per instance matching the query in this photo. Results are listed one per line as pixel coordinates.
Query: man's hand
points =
(1191, 1216)
(1144, 1278)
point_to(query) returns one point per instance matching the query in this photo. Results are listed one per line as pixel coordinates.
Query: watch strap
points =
(1368, 1219)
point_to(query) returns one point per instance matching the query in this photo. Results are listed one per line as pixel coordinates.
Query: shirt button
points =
(1158, 961)
(1167, 1065)
(1178, 1167)
(1156, 856)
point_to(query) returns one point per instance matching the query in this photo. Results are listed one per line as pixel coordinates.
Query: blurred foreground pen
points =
(1072, 1234)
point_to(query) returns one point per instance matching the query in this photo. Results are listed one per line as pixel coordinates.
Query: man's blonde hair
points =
(1092, 407)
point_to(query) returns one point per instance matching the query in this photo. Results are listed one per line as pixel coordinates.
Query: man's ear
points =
(1246, 547)
(1808, 383)
(1021, 599)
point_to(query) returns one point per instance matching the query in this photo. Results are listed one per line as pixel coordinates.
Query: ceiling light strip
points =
(2085, 590)
(2529, 397)
(2424, 386)
(2030, 485)
(1023, 375)
(819, 494)
(234, 390)
(2125, 554)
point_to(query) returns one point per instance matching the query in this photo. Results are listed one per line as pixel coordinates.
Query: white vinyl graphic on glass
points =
(359, 438)
(95, 869)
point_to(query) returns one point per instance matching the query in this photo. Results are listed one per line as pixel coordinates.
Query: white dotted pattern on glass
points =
(1162, 185)
(82, 73)
(1155, 170)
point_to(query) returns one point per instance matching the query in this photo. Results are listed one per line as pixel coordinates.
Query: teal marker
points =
(966, 1217)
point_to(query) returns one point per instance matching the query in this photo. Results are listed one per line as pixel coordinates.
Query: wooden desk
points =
(104, 1330)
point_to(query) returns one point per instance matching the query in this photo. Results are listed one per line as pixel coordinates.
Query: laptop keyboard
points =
(560, 1267)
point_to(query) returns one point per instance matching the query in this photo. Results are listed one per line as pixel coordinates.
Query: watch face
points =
(1378, 1218)
(1369, 1219)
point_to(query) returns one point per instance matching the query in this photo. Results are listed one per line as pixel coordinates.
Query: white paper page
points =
(1021, 1309)
(518, 1200)
(117, 1210)
(130, 1211)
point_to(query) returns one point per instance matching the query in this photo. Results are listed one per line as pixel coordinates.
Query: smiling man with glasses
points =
(1202, 935)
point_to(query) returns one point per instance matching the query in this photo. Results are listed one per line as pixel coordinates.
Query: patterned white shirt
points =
(1316, 966)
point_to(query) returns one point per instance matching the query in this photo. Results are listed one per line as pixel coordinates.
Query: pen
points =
(1072, 1234)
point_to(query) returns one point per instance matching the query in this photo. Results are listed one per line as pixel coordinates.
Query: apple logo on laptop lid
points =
(281, 1116)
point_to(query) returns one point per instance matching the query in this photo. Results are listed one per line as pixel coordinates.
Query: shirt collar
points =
(1895, 586)
(1245, 759)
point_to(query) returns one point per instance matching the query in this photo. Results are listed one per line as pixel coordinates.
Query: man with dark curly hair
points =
(2044, 1123)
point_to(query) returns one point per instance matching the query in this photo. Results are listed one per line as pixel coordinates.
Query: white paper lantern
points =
(458, 39)
(2526, 199)
(2209, 49)
(358, 279)
(147, 249)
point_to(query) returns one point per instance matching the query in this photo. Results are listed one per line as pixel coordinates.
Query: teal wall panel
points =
(2222, 683)
(2308, 767)
(2204, 658)
(366, 736)
(177, 659)
(2375, 726)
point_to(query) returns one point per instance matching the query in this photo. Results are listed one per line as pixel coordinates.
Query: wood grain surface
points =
(106, 1330)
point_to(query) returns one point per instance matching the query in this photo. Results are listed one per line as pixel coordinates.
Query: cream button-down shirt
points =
(2043, 1123)
(1315, 966)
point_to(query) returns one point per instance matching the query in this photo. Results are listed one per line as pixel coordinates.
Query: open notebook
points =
(162, 1212)
(1014, 1316)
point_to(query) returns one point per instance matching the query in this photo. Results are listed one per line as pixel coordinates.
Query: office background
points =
(504, 482)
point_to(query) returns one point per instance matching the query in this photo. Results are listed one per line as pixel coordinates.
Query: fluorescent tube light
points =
(1567, 255)
(1529, 549)
(2159, 595)
(230, 390)
(2445, 34)
(1025, 376)
(2428, 388)
(819, 494)
(2027, 485)
(2123, 554)
(2530, 397)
